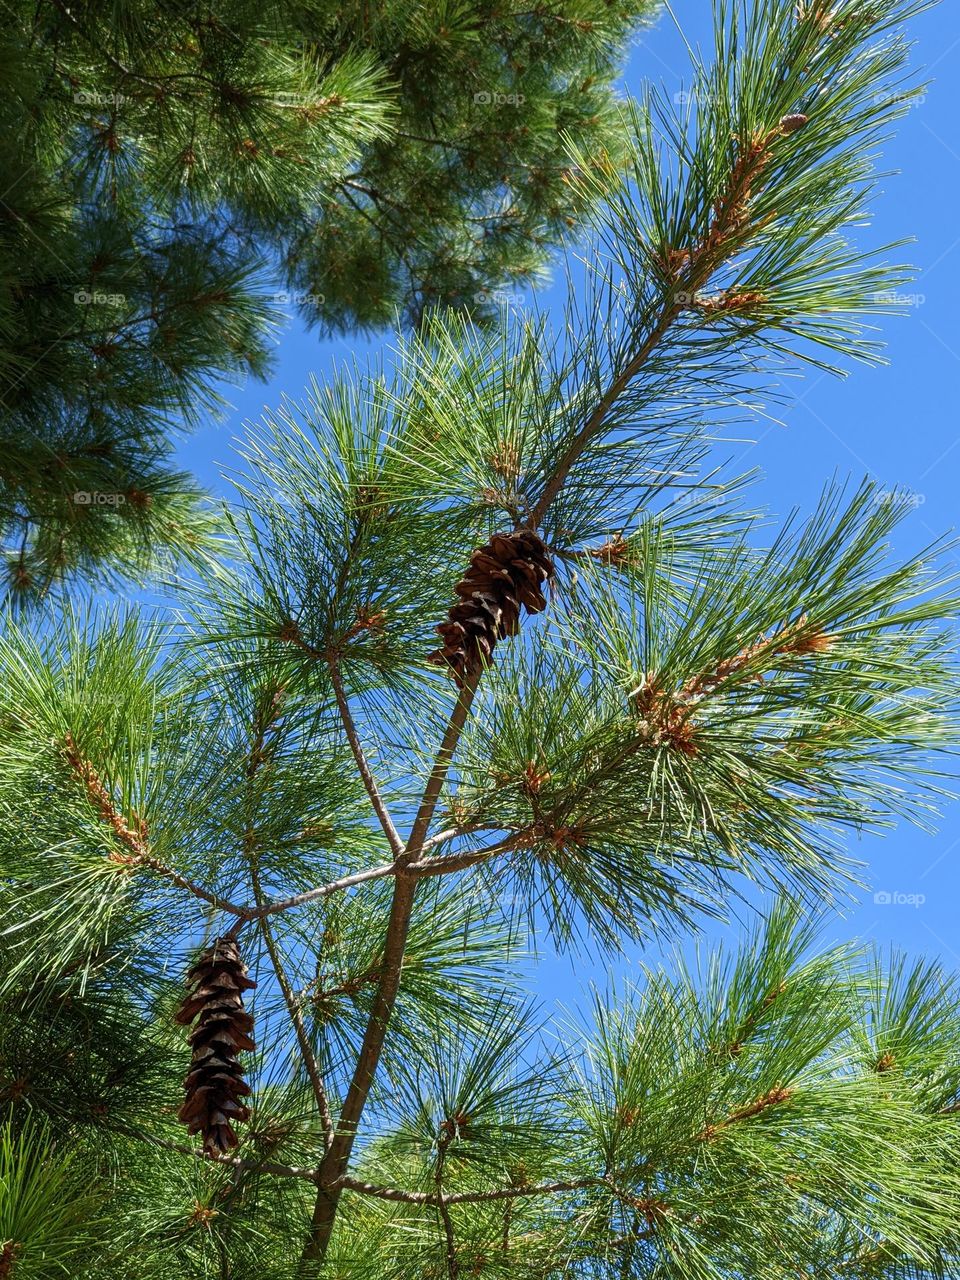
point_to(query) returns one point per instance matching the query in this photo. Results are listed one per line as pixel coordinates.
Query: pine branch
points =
(97, 45)
(667, 716)
(598, 417)
(451, 833)
(792, 640)
(134, 837)
(269, 908)
(690, 270)
(451, 862)
(337, 1157)
(438, 775)
(727, 233)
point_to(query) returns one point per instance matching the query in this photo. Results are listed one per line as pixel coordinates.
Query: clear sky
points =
(898, 424)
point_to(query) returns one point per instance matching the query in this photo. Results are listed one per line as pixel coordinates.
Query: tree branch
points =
(214, 899)
(441, 767)
(773, 1098)
(451, 833)
(692, 269)
(322, 891)
(461, 861)
(597, 419)
(337, 1158)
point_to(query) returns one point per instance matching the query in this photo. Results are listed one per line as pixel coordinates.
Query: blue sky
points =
(898, 424)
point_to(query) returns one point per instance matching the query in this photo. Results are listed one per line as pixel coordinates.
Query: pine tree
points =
(649, 706)
(174, 173)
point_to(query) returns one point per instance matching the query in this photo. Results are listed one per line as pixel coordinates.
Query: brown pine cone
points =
(215, 1083)
(511, 570)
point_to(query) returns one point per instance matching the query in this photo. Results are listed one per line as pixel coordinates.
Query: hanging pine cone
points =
(510, 571)
(215, 1083)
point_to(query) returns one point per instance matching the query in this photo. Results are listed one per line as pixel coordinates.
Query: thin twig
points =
(98, 46)
(262, 723)
(443, 1209)
(423, 867)
(373, 791)
(168, 873)
(400, 1196)
(296, 1017)
(236, 1162)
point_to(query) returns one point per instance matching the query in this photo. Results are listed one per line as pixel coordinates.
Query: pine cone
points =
(215, 1083)
(508, 572)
